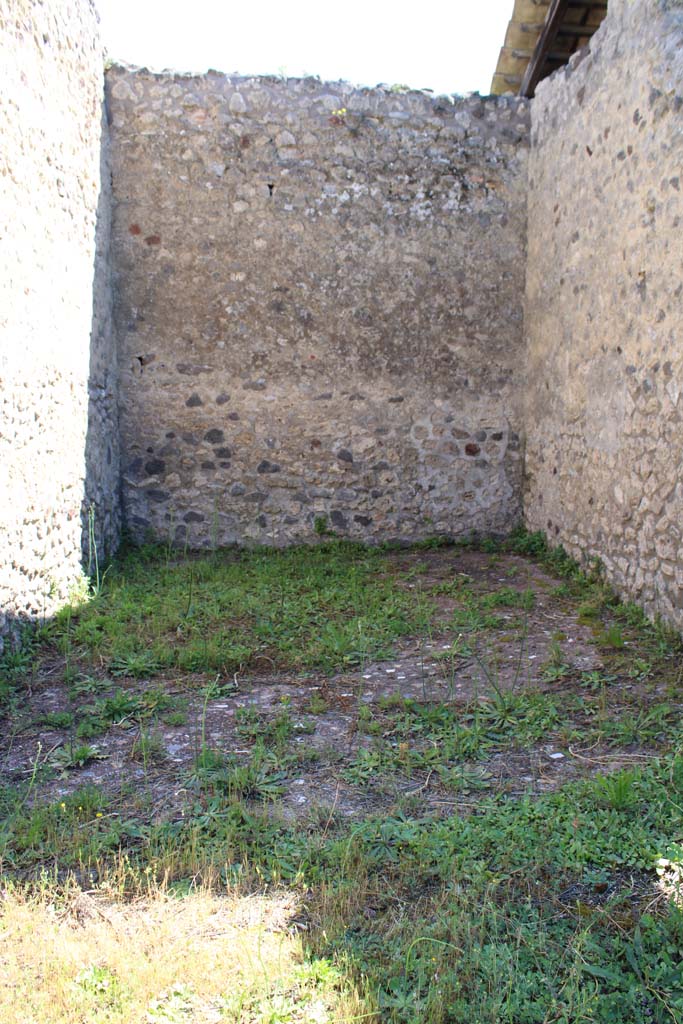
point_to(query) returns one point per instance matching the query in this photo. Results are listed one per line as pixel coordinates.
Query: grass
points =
(311, 608)
(487, 897)
(470, 879)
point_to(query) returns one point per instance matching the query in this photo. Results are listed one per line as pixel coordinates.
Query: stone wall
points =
(604, 458)
(57, 391)
(319, 306)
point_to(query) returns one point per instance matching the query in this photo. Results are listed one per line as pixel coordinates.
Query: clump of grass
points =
(589, 611)
(17, 661)
(619, 790)
(508, 597)
(137, 664)
(556, 666)
(148, 747)
(366, 722)
(317, 705)
(174, 718)
(56, 719)
(612, 637)
(219, 774)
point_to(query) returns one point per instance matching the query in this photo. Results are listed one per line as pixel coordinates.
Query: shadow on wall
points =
(101, 510)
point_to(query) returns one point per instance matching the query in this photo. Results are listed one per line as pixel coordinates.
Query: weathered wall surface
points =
(604, 310)
(57, 406)
(319, 308)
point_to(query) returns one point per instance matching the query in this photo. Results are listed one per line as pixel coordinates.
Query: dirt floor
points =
(535, 648)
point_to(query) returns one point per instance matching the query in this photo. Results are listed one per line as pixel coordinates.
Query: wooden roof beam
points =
(588, 4)
(563, 30)
(553, 20)
(560, 56)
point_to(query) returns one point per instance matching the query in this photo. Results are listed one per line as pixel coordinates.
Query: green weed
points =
(148, 747)
(217, 774)
(174, 718)
(618, 791)
(17, 661)
(317, 705)
(56, 720)
(75, 756)
(137, 664)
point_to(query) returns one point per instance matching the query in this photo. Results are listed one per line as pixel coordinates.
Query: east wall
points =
(319, 297)
(604, 305)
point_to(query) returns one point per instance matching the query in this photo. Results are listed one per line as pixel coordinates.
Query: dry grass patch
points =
(161, 959)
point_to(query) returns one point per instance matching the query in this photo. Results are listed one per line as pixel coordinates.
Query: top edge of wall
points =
(312, 84)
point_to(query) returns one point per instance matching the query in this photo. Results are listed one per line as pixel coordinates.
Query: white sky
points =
(445, 45)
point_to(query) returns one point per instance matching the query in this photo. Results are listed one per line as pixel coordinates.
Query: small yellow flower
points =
(99, 814)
